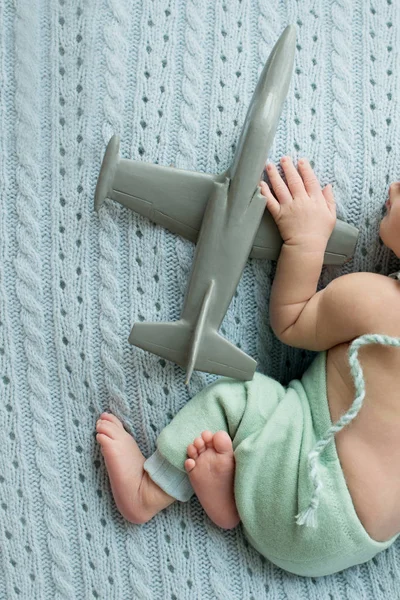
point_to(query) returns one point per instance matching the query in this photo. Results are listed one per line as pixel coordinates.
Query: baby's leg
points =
(137, 497)
(228, 413)
(233, 410)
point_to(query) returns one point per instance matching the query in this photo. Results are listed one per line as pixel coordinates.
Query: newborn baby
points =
(265, 455)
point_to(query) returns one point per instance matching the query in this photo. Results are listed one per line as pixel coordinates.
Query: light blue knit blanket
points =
(173, 78)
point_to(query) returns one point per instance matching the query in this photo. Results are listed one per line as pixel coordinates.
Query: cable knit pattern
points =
(28, 268)
(116, 48)
(193, 65)
(174, 79)
(342, 98)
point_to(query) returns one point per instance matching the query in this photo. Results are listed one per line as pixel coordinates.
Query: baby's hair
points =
(308, 516)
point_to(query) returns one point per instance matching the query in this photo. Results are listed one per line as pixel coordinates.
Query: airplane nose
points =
(288, 36)
(277, 72)
(285, 47)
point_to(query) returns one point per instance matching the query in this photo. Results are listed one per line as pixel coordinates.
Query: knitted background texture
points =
(173, 78)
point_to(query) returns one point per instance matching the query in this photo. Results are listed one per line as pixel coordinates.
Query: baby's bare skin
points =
(210, 467)
(350, 306)
(369, 449)
(137, 497)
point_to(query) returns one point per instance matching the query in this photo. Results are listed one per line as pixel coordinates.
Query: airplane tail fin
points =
(224, 358)
(169, 340)
(108, 166)
(213, 354)
(194, 347)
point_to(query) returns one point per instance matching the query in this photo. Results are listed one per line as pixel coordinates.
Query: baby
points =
(265, 455)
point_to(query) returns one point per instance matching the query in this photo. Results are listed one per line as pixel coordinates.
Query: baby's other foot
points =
(137, 497)
(211, 470)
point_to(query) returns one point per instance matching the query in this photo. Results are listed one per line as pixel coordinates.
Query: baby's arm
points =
(349, 306)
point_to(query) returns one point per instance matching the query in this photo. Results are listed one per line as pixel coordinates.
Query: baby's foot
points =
(137, 497)
(211, 470)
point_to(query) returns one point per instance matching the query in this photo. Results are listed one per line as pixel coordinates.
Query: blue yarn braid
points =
(308, 516)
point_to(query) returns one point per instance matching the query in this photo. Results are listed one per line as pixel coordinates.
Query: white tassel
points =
(308, 517)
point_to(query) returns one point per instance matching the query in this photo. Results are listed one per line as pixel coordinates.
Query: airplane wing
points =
(177, 199)
(340, 247)
(173, 198)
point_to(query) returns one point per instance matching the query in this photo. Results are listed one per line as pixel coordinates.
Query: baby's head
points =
(390, 225)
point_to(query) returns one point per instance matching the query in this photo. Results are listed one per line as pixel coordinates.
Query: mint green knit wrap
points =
(308, 516)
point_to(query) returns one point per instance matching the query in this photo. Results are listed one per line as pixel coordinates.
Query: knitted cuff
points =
(170, 479)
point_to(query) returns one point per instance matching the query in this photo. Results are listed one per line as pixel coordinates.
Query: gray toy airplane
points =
(225, 215)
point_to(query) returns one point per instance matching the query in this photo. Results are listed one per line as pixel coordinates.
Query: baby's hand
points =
(305, 214)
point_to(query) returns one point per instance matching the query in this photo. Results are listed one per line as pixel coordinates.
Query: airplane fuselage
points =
(221, 253)
(235, 207)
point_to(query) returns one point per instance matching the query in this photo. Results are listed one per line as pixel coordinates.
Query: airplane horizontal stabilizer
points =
(224, 358)
(173, 341)
(169, 340)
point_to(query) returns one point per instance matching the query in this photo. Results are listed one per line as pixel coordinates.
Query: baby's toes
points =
(107, 428)
(207, 438)
(112, 418)
(199, 444)
(222, 443)
(104, 441)
(192, 451)
(189, 464)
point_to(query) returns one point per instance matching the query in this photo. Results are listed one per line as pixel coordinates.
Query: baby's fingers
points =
(329, 197)
(309, 178)
(272, 203)
(294, 181)
(278, 185)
